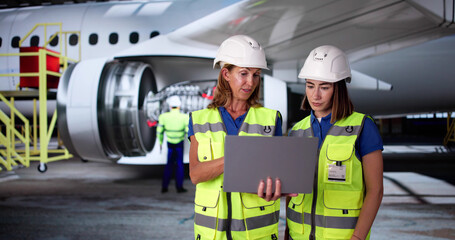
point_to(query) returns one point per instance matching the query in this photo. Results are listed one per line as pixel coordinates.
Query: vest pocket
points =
(295, 215)
(343, 200)
(261, 217)
(297, 202)
(341, 212)
(208, 150)
(338, 169)
(206, 212)
(204, 150)
(252, 201)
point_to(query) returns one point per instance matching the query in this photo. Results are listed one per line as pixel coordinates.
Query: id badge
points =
(337, 173)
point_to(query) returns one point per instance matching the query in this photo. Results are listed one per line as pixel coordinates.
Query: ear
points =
(226, 74)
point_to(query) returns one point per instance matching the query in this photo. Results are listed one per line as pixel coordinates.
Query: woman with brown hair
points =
(348, 190)
(235, 110)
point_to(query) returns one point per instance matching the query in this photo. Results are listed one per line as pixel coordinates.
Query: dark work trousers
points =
(174, 156)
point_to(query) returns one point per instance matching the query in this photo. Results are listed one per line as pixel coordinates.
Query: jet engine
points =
(108, 109)
(99, 105)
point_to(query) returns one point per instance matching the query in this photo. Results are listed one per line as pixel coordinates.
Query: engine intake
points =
(100, 109)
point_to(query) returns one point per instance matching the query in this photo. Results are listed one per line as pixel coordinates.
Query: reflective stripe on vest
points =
(171, 136)
(344, 131)
(211, 214)
(213, 127)
(334, 131)
(301, 133)
(323, 221)
(257, 129)
(338, 204)
(237, 224)
(176, 131)
(174, 124)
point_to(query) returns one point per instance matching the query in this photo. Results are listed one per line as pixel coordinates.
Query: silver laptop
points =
(247, 160)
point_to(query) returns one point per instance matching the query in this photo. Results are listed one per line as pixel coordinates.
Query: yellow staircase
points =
(9, 157)
(14, 144)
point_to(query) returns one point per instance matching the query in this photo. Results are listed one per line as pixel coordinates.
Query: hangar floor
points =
(75, 200)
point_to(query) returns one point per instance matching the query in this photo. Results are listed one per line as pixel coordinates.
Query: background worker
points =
(174, 124)
(349, 189)
(235, 110)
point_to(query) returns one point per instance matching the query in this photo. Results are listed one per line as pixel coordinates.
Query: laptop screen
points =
(247, 160)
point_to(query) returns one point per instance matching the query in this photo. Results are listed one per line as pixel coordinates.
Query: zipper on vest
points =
(315, 186)
(315, 197)
(229, 217)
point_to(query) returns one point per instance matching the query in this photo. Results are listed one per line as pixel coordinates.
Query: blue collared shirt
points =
(369, 140)
(233, 126)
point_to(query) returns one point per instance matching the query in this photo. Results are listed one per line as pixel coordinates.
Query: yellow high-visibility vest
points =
(332, 210)
(174, 124)
(240, 215)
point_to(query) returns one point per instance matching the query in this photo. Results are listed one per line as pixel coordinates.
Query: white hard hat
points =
(326, 63)
(174, 101)
(241, 51)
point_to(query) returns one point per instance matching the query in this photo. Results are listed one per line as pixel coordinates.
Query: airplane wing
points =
(290, 29)
(365, 30)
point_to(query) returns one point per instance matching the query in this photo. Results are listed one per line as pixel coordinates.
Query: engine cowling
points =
(100, 112)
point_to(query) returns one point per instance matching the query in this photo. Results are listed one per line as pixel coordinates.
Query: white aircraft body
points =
(136, 54)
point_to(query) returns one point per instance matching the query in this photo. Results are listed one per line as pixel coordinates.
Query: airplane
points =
(135, 54)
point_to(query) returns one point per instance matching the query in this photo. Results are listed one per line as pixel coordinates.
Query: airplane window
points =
(113, 38)
(54, 41)
(93, 39)
(15, 42)
(154, 34)
(73, 39)
(134, 37)
(34, 41)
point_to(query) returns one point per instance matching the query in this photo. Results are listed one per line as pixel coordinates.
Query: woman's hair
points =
(341, 103)
(223, 94)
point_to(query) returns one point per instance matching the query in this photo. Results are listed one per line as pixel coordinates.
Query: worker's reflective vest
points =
(332, 210)
(221, 215)
(175, 124)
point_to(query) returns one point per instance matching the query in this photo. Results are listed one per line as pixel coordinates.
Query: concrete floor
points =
(75, 200)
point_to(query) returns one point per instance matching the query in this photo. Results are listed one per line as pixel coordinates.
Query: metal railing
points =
(63, 36)
(10, 156)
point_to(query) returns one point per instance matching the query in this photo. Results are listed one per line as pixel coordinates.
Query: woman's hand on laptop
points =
(271, 195)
